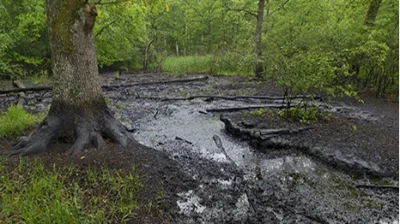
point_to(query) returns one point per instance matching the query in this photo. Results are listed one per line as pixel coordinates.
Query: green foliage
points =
(40, 78)
(224, 65)
(24, 47)
(16, 120)
(233, 64)
(30, 193)
(308, 46)
(258, 112)
(304, 115)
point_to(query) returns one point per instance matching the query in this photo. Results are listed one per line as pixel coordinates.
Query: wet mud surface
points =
(217, 175)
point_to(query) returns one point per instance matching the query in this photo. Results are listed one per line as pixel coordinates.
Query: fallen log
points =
(233, 109)
(49, 88)
(214, 97)
(184, 140)
(34, 89)
(377, 186)
(258, 133)
(196, 79)
(280, 139)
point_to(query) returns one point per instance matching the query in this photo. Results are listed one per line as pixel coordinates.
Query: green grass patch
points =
(185, 65)
(16, 120)
(305, 115)
(40, 78)
(221, 65)
(30, 193)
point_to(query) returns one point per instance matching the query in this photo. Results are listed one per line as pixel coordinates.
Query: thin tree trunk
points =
(146, 50)
(258, 37)
(373, 9)
(370, 18)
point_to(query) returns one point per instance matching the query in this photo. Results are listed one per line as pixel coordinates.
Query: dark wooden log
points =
(48, 88)
(213, 97)
(173, 81)
(377, 186)
(255, 107)
(218, 143)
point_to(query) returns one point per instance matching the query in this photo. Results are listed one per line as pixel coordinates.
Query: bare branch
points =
(103, 28)
(243, 10)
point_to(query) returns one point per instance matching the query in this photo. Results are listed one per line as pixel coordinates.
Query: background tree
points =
(359, 37)
(258, 48)
(78, 108)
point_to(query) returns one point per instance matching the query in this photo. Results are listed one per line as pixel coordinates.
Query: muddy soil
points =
(243, 180)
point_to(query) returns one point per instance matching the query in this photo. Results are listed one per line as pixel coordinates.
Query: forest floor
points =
(341, 170)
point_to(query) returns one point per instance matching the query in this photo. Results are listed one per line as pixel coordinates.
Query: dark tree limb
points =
(233, 109)
(377, 186)
(212, 97)
(35, 89)
(104, 27)
(196, 79)
(48, 88)
(184, 140)
(254, 14)
(218, 143)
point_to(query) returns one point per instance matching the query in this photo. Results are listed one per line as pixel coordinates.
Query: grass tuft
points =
(16, 120)
(30, 193)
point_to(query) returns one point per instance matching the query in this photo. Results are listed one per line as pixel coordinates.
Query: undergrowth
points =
(40, 78)
(305, 115)
(224, 65)
(30, 193)
(16, 120)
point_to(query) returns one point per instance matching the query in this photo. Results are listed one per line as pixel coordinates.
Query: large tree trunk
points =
(259, 70)
(78, 108)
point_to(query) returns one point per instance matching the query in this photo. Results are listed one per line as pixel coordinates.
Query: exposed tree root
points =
(87, 132)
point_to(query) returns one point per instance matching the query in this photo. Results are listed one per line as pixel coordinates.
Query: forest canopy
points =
(334, 46)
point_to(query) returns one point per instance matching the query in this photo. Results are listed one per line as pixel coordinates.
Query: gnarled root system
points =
(87, 131)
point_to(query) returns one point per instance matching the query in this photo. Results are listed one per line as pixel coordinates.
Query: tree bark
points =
(373, 9)
(259, 70)
(78, 108)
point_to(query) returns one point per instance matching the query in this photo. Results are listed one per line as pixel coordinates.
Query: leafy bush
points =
(16, 120)
(302, 114)
(41, 77)
(30, 193)
(233, 63)
(225, 65)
